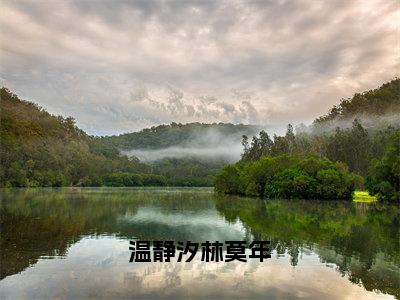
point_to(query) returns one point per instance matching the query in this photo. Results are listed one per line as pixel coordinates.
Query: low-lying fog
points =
(209, 144)
(215, 145)
(229, 153)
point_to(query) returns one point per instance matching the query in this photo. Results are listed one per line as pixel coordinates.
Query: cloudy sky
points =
(119, 66)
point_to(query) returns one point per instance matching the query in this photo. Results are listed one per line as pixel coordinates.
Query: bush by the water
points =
(288, 177)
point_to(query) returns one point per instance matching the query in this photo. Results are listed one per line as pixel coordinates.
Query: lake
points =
(73, 243)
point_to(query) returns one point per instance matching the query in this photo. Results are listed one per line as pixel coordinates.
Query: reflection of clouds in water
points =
(201, 225)
(132, 280)
(116, 278)
(95, 265)
(176, 218)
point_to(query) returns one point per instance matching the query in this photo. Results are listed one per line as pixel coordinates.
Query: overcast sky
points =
(120, 66)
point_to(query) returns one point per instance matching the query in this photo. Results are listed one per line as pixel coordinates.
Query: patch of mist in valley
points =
(208, 145)
(215, 145)
(228, 153)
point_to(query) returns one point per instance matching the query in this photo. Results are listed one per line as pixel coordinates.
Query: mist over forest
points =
(208, 144)
(373, 109)
(214, 145)
(39, 149)
(218, 142)
(228, 152)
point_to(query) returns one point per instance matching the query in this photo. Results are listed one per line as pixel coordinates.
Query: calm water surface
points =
(73, 243)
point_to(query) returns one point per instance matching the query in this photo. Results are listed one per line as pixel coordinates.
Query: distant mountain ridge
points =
(188, 135)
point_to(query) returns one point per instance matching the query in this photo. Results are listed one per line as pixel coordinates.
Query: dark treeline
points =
(369, 151)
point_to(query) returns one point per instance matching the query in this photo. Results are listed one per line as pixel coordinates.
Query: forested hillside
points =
(371, 151)
(186, 154)
(39, 149)
(380, 102)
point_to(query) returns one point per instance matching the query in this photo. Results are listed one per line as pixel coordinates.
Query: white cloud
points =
(119, 66)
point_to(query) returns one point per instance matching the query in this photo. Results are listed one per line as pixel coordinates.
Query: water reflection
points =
(72, 243)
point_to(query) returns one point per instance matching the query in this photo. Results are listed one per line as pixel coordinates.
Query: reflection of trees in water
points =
(46, 222)
(40, 223)
(172, 278)
(361, 239)
(294, 251)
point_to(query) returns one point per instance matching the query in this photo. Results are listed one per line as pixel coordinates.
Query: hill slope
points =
(376, 103)
(39, 149)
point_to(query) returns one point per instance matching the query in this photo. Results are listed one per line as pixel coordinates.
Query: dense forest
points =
(190, 169)
(355, 145)
(39, 149)
(370, 151)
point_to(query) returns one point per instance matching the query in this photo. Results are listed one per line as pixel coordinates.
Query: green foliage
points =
(350, 146)
(228, 180)
(287, 177)
(355, 146)
(153, 180)
(188, 171)
(383, 177)
(39, 149)
(367, 150)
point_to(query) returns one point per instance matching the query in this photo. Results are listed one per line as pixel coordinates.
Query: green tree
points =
(383, 177)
